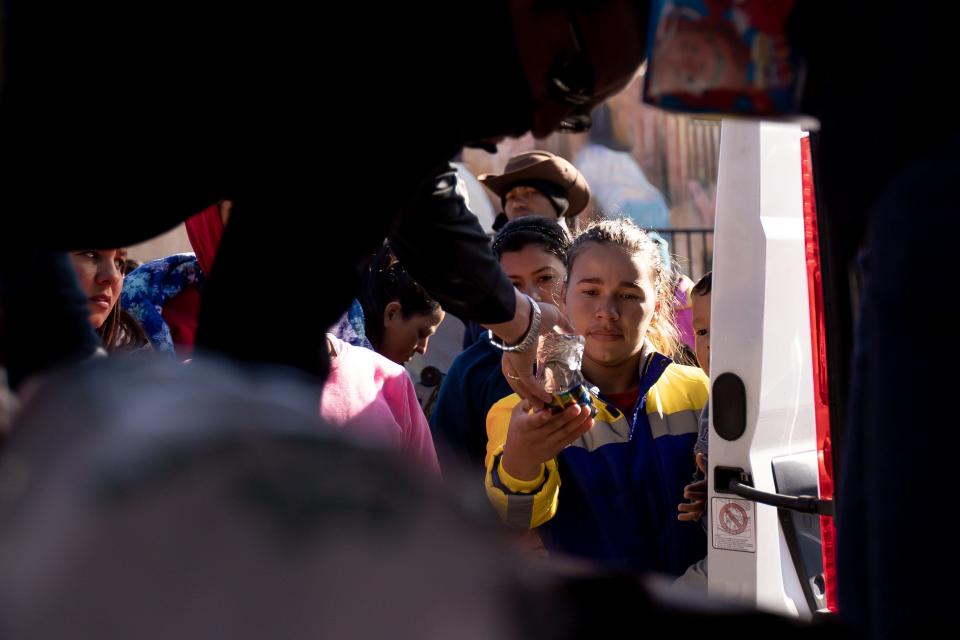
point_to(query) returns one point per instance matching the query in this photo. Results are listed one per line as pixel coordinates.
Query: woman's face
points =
(610, 300)
(535, 272)
(100, 273)
(403, 337)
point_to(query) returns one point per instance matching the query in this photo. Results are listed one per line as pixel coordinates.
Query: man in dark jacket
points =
(140, 118)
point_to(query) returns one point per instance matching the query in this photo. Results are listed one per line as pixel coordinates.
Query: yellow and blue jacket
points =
(622, 480)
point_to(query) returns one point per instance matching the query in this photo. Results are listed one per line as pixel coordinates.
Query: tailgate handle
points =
(738, 482)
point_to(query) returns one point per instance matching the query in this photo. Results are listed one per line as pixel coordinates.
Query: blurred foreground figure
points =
(146, 500)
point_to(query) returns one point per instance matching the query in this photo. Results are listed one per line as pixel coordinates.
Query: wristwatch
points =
(530, 337)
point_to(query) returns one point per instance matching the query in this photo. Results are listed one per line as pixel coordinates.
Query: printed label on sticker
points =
(734, 527)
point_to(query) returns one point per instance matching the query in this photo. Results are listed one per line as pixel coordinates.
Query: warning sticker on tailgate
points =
(734, 525)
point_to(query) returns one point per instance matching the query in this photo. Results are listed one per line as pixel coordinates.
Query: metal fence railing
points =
(691, 249)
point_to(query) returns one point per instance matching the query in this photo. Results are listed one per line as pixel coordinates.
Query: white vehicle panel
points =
(760, 331)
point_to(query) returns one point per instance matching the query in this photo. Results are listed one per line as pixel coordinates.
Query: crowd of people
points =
(624, 456)
(214, 379)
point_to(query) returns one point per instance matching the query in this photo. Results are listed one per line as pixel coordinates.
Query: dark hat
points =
(542, 166)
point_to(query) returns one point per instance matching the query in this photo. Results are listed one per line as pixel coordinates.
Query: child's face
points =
(701, 330)
(610, 300)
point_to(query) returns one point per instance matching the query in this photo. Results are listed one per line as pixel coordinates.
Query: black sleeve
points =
(441, 243)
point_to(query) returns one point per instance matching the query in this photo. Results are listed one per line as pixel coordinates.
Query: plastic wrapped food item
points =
(558, 369)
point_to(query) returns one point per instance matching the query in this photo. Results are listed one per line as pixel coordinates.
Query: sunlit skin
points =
(539, 274)
(526, 201)
(404, 337)
(610, 299)
(696, 492)
(100, 275)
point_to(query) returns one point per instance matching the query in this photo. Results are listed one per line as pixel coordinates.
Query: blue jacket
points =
(472, 385)
(621, 481)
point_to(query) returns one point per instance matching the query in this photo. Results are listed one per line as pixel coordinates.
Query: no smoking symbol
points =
(733, 519)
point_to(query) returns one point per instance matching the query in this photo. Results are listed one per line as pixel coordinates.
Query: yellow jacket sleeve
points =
(521, 504)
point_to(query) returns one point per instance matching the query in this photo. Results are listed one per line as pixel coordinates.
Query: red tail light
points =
(820, 389)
